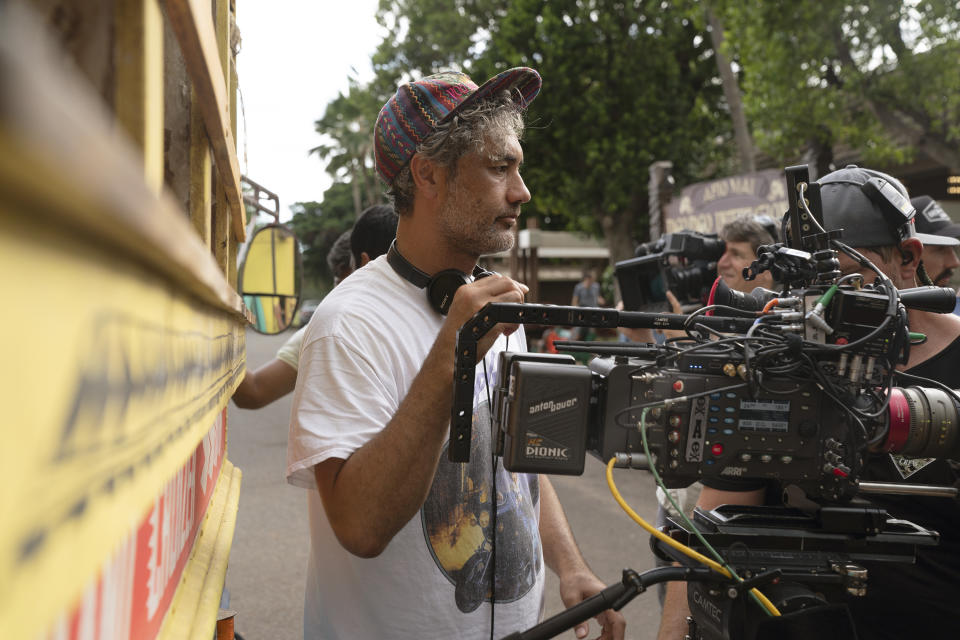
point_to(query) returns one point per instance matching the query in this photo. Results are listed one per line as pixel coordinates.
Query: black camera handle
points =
(615, 597)
(461, 415)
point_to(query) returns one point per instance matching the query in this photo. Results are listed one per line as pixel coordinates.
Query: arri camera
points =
(684, 263)
(796, 387)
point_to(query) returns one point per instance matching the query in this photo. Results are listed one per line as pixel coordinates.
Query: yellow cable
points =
(679, 546)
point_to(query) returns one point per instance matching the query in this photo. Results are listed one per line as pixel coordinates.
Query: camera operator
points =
(742, 237)
(902, 600)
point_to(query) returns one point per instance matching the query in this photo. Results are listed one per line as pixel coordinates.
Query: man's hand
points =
(578, 587)
(675, 308)
(470, 298)
(674, 303)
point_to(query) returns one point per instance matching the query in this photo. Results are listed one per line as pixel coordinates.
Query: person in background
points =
(340, 259)
(742, 237)
(587, 292)
(404, 542)
(939, 259)
(369, 238)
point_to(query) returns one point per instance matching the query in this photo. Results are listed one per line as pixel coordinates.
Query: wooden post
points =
(201, 173)
(138, 94)
(660, 193)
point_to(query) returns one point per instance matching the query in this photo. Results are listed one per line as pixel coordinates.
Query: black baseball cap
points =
(932, 220)
(847, 206)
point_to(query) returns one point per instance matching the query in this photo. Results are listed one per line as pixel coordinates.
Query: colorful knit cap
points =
(414, 112)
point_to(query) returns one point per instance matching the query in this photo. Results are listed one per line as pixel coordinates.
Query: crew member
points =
(742, 238)
(940, 248)
(902, 600)
(404, 543)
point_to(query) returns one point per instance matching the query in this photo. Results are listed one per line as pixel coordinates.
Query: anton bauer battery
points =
(541, 420)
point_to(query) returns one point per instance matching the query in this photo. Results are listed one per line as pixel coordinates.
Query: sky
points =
(295, 57)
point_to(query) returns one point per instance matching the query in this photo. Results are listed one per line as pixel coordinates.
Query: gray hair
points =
(746, 230)
(493, 120)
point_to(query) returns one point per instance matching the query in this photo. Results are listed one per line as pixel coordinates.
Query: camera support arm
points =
(615, 597)
(461, 418)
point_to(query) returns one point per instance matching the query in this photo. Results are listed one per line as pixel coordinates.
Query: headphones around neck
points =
(441, 286)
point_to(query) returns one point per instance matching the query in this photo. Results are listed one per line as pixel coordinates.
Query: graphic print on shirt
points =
(458, 524)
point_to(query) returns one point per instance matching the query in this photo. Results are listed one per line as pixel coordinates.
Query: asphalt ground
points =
(267, 570)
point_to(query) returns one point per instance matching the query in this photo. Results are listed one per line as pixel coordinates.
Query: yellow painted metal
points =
(193, 613)
(60, 151)
(124, 342)
(112, 390)
(138, 96)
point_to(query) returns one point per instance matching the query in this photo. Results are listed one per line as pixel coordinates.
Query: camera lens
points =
(924, 423)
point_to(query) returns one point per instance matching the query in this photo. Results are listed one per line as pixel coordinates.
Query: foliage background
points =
(627, 83)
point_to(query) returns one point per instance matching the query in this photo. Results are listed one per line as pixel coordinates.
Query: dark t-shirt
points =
(920, 600)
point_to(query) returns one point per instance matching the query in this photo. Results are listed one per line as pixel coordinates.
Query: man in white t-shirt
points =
(404, 543)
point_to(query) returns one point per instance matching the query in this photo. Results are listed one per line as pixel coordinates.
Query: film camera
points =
(796, 388)
(684, 263)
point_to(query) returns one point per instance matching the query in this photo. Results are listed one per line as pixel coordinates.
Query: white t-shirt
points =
(290, 351)
(363, 347)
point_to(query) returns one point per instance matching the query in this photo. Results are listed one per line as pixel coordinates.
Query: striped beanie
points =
(414, 112)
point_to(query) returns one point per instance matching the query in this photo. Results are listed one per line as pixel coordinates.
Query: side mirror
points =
(269, 278)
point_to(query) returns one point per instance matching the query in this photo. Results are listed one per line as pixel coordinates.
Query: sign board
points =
(708, 206)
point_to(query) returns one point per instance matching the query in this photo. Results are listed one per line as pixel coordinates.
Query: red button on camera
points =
(716, 449)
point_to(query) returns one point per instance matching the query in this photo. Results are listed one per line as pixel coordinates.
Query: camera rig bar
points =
(615, 597)
(461, 416)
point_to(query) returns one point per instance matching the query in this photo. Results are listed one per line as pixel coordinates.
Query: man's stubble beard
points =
(465, 227)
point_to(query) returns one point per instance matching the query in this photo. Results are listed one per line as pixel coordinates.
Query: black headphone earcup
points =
(442, 286)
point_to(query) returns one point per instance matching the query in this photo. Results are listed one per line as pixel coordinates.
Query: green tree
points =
(624, 84)
(348, 121)
(317, 227)
(879, 76)
(427, 36)
(731, 92)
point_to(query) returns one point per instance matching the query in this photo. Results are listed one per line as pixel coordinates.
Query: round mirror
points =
(269, 278)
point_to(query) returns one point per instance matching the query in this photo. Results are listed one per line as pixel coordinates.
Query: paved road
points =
(271, 544)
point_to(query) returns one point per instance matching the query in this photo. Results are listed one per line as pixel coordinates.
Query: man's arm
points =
(370, 496)
(560, 552)
(268, 383)
(673, 620)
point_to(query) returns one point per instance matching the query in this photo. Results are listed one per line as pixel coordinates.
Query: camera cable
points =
(720, 567)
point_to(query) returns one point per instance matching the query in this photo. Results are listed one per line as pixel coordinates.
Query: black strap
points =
(404, 269)
(415, 276)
